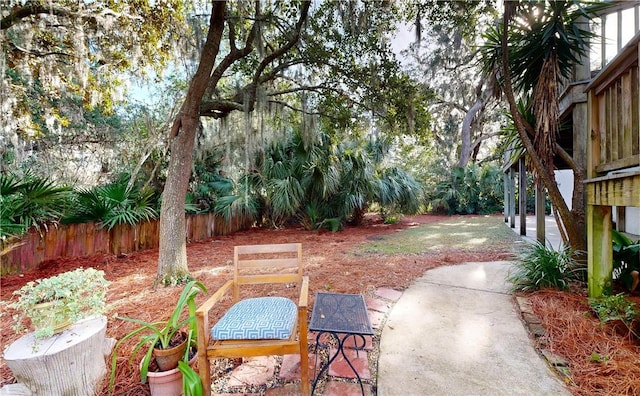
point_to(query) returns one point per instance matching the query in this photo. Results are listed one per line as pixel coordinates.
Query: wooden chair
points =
(257, 326)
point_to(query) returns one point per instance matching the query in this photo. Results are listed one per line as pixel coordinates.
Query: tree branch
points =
(245, 99)
(197, 88)
(285, 104)
(38, 53)
(219, 108)
(455, 105)
(233, 55)
(20, 13)
(295, 37)
(564, 156)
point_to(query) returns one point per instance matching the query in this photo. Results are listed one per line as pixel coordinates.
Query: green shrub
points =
(112, 204)
(29, 201)
(626, 259)
(617, 307)
(471, 190)
(540, 266)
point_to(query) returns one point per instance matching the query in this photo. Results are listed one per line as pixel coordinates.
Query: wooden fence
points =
(78, 240)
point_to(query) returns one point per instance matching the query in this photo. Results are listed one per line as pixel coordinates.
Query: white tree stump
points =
(69, 363)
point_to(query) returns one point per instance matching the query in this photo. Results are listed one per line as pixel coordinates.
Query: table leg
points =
(340, 350)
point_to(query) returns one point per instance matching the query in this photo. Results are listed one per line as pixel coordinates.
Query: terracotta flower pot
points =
(167, 359)
(167, 383)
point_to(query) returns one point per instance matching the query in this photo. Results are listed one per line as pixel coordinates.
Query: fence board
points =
(77, 240)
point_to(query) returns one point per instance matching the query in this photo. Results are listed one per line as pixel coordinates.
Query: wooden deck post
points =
(512, 200)
(505, 182)
(540, 215)
(522, 195)
(600, 257)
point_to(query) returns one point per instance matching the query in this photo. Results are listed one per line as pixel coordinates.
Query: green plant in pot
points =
(176, 334)
(191, 382)
(54, 304)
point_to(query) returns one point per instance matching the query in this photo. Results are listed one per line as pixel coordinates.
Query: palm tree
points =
(114, 203)
(357, 181)
(397, 192)
(538, 44)
(29, 201)
(319, 183)
(239, 205)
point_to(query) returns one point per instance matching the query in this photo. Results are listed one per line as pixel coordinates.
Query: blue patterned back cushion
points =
(257, 318)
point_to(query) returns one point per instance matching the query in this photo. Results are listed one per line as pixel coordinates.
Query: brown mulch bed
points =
(331, 263)
(602, 359)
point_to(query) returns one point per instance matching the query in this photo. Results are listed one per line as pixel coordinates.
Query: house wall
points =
(633, 220)
(564, 180)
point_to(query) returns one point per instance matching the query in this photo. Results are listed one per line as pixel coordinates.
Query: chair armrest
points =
(202, 314)
(215, 297)
(303, 301)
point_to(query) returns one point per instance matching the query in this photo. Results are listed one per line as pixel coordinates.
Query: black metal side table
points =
(341, 316)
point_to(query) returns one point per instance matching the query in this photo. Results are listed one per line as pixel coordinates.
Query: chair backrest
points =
(273, 263)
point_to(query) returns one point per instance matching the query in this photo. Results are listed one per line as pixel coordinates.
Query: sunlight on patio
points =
(479, 275)
(472, 337)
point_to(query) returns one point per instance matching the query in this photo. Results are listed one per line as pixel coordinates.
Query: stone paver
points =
(235, 394)
(526, 306)
(340, 368)
(554, 359)
(376, 319)
(336, 388)
(377, 304)
(351, 343)
(531, 318)
(286, 390)
(389, 294)
(290, 369)
(254, 371)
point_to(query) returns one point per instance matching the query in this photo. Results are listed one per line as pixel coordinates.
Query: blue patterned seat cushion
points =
(257, 318)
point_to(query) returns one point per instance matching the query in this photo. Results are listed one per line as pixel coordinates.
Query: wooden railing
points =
(624, 20)
(615, 118)
(78, 240)
(613, 159)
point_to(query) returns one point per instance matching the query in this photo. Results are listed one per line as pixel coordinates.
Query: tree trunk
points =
(69, 363)
(574, 233)
(465, 132)
(172, 260)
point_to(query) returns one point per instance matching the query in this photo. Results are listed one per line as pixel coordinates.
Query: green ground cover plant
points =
(616, 307)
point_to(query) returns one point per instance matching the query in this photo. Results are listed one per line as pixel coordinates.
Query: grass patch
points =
(469, 233)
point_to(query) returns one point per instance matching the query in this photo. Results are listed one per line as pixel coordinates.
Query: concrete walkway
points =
(552, 235)
(456, 331)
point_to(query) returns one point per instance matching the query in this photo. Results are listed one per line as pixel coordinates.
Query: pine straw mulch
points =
(330, 262)
(602, 359)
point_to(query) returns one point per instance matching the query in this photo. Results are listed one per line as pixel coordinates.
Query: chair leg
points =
(304, 365)
(204, 371)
